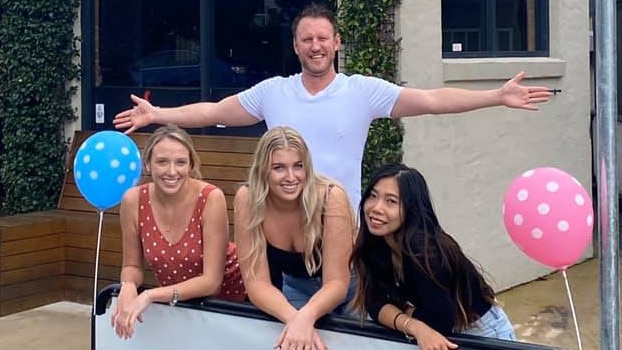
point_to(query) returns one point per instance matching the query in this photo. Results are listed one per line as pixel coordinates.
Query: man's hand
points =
(142, 114)
(515, 95)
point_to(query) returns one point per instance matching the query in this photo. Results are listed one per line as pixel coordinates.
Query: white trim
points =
(477, 69)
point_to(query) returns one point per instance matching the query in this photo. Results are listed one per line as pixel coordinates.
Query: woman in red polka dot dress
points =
(179, 225)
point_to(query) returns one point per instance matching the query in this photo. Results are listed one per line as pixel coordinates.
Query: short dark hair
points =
(315, 10)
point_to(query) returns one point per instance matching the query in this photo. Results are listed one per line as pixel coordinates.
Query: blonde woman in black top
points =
(294, 230)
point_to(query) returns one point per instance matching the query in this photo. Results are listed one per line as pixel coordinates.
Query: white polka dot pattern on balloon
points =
(563, 226)
(102, 168)
(121, 179)
(579, 199)
(543, 208)
(552, 186)
(528, 173)
(548, 214)
(537, 233)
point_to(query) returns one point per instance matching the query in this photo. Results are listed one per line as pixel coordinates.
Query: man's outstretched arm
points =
(227, 111)
(412, 102)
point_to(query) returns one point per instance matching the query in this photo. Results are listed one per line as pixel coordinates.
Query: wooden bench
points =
(49, 256)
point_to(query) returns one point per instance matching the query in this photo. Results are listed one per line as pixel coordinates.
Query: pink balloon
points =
(549, 216)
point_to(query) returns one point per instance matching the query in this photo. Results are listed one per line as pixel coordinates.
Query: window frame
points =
(542, 29)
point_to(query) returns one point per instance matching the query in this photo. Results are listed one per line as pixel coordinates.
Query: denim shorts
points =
(298, 291)
(493, 324)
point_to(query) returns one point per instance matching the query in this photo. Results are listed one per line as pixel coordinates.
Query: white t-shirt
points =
(334, 122)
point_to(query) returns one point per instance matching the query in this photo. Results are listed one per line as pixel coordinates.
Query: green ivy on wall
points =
(37, 48)
(370, 47)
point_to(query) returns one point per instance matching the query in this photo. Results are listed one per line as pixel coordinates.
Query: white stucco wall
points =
(471, 159)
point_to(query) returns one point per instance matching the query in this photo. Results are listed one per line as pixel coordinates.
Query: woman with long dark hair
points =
(413, 276)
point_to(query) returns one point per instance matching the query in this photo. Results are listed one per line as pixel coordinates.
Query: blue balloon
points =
(107, 164)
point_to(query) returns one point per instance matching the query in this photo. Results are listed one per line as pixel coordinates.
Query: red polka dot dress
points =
(173, 263)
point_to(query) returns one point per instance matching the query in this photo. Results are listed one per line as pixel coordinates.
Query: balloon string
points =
(99, 235)
(574, 314)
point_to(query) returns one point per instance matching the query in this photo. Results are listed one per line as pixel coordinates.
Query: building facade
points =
(471, 159)
(176, 53)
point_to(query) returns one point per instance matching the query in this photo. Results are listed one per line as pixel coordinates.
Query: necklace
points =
(168, 228)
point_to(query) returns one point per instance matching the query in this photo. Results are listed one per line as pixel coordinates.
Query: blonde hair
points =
(282, 138)
(178, 134)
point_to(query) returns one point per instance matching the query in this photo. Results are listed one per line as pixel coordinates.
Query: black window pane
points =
(482, 28)
(148, 43)
(511, 26)
(463, 25)
(157, 43)
(253, 40)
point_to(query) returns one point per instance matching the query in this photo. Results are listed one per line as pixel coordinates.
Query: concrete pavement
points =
(56, 326)
(540, 310)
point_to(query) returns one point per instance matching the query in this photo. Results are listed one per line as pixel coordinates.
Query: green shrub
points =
(37, 46)
(370, 48)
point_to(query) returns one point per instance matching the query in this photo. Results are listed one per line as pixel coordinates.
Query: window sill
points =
(477, 69)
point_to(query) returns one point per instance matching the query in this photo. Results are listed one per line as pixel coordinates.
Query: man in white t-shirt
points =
(332, 111)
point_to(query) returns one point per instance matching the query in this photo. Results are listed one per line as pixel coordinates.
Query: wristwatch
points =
(175, 298)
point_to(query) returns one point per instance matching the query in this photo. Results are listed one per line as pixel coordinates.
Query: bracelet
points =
(175, 298)
(395, 319)
(404, 326)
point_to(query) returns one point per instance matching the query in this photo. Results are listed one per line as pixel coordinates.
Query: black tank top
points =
(291, 263)
(283, 262)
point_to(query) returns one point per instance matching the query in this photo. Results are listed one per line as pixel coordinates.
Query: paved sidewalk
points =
(539, 310)
(56, 326)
